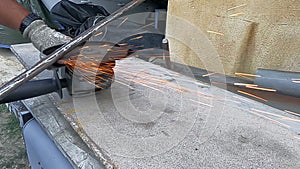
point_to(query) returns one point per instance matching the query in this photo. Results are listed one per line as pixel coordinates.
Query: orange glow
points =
(247, 75)
(293, 113)
(261, 88)
(237, 14)
(209, 74)
(296, 81)
(124, 20)
(136, 38)
(117, 81)
(215, 32)
(268, 118)
(291, 119)
(150, 24)
(235, 7)
(98, 34)
(205, 104)
(261, 111)
(244, 84)
(252, 95)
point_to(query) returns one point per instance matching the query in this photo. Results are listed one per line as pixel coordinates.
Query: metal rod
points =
(57, 54)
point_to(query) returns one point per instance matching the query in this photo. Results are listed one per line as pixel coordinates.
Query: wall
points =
(246, 34)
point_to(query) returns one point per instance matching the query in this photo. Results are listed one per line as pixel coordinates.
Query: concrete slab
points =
(10, 66)
(181, 123)
(156, 118)
(53, 120)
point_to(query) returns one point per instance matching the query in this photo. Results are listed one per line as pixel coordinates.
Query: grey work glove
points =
(43, 37)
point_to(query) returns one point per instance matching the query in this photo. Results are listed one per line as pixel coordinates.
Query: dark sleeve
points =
(77, 17)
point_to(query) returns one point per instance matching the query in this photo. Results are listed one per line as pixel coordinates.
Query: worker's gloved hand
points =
(43, 37)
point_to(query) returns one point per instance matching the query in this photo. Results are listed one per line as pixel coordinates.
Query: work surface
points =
(153, 118)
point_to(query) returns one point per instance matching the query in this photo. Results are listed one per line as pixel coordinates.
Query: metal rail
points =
(57, 54)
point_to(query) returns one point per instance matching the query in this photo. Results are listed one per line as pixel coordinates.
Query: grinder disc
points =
(91, 66)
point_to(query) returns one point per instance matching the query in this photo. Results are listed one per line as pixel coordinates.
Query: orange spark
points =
(89, 69)
(272, 114)
(124, 84)
(235, 7)
(98, 34)
(293, 113)
(244, 84)
(261, 88)
(104, 45)
(203, 95)
(252, 95)
(291, 119)
(150, 24)
(123, 44)
(276, 115)
(195, 82)
(124, 20)
(143, 84)
(146, 31)
(84, 47)
(201, 103)
(209, 74)
(136, 38)
(155, 56)
(268, 118)
(247, 74)
(214, 32)
(237, 14)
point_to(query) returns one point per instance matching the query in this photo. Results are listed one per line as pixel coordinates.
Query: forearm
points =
(12, 14)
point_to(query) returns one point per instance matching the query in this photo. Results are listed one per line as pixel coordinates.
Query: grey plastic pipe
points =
(287, 83)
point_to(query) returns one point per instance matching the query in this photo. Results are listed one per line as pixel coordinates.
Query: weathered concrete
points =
(144, 128)
(246, 34)
(58, 124)
(10, 66)
(177, 123)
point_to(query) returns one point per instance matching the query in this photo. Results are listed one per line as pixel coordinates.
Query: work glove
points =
(43, 37)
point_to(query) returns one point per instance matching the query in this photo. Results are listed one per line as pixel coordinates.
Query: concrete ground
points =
(152, 118)
(184, 124)
(9, 65)
(13, 153)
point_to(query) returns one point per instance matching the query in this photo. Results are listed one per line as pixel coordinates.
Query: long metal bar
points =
(57, 54)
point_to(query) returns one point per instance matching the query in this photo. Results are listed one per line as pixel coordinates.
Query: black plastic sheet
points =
(77, 17)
